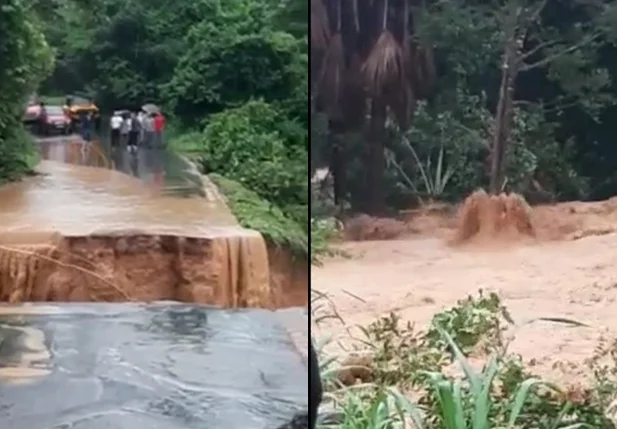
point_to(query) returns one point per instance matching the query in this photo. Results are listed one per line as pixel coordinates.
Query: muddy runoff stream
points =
(105, 225)
(156, 366)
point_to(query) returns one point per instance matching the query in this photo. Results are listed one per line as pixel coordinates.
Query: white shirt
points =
(116, 122)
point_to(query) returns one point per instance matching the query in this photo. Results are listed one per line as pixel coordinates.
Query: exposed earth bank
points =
(230, 271)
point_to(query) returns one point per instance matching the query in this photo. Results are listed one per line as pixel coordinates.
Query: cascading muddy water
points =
(148, 237)
(247, 269)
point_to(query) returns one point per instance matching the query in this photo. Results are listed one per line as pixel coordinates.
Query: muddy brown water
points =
(162, 365)
(106, 225)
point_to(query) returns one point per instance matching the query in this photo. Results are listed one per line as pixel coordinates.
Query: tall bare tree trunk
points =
(337, 164)
(503, 116)
(376, 158)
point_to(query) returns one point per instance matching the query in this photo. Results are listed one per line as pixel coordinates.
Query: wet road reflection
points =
(136, 366)
(153, 190)
(165, 170)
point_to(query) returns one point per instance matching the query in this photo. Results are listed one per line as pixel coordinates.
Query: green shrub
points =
(472, 321)
(18, 156)
(254, 212)
(25, 60)
(322, 232)
(225, 65)
(257, 146)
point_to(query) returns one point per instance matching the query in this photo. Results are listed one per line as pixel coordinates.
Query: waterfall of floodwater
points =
(77, 195)
(246, 279)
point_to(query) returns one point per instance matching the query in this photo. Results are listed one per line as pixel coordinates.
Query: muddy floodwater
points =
(81, 191)
(157, 366)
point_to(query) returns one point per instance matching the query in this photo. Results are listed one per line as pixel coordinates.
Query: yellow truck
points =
(77, 105)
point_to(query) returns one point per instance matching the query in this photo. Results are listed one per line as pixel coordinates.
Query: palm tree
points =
(366, 65)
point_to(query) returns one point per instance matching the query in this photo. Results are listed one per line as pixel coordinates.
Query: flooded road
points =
(107, 225)
(157, 366)
(83, 191)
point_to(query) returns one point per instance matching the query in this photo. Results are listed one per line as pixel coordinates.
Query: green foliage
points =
(259, 148)
(470, 403)
(385, 409)
(199, 57)
(254, 212)
(293, 17)
(401, 355)
(471, 321)
(25, 59)
(564, 97)
(322, 232)
(443, 147)
(226, 66)
(444, 154)
(503, 394)
(536, 155)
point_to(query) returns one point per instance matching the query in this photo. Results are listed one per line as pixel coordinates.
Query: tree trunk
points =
(376, 159)
(503, 116)
(337, 164)
(501, 138)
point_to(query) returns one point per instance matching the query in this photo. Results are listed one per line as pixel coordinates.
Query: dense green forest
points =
(25, 60)
(416, 101)
(231, 76)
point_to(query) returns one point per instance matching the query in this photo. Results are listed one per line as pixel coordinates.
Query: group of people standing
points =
(134, 129)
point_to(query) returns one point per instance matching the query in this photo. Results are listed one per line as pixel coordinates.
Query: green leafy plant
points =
(26, 60)
(400, 354)
(256, 146)
(322, 232)
(468, 403)
(383, 408)
(471, 321)
(437, 157)
(435, 178)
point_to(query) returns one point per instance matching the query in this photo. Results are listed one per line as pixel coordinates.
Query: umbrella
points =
(150, 108)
